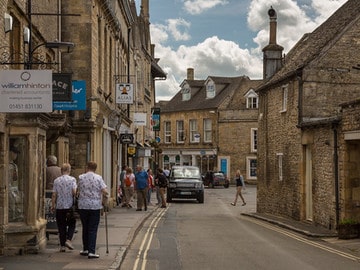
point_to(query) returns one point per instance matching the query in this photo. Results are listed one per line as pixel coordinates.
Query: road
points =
(214, 235)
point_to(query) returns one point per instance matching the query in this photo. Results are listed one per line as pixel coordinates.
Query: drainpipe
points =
(336, 174)
(300, 95)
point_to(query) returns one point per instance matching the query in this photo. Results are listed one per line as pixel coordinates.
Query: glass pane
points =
(16, 178)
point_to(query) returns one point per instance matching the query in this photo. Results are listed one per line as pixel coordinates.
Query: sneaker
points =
(84, 253)
(62, 249)
(244, 204)
(233, 204)
(69, 245)
(93, 256)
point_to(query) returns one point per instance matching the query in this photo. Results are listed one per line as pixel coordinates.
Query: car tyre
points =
(201, 198)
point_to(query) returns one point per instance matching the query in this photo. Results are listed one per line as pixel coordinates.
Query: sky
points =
(225, 37)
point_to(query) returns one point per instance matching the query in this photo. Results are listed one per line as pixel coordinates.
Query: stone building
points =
(308, 141)
(112, 47)
(212, 124)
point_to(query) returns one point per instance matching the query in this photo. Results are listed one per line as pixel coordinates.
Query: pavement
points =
(123, 224)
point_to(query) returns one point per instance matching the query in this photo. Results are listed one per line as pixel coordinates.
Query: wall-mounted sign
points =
(126, 138)
(25, 91)
(124, 93)
(131, 151)
(140, 119)
(62, 86)
(78, 102)
(155, 119)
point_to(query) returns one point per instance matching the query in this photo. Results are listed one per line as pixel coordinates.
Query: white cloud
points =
(199, 6)
(292, 20)
(178, 29)
(211, 57)
(220, 57)
(326, 8)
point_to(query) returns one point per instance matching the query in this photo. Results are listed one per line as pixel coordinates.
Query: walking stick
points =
(106, 228)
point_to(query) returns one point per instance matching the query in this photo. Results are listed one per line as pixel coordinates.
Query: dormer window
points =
(210, 89)
(252, 100)
(186, 92)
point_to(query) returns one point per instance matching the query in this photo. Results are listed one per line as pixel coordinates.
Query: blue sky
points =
(225, 37)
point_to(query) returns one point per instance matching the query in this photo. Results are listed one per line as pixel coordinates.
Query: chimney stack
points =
(273, 25)
(272, 60)
(190, 74)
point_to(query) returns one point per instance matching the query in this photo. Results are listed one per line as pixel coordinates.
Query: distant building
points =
(212, 124)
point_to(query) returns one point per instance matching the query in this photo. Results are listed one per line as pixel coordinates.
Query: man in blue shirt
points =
(141, 184)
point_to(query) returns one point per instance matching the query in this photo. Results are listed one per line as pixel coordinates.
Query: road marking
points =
(301, 239)
(149, 234)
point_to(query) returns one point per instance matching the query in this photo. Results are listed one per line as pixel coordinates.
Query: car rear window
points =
(186, 173)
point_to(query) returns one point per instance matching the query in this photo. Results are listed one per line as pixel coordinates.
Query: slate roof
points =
(225, 87)
(312, 45)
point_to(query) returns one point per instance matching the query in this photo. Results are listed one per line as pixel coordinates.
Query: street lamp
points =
(65, 47)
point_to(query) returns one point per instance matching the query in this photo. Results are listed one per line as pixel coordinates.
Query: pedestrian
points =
(52, 171)
(141, 178)
(92, 193)
(166, 172)
(129, 183)
(62, 199)
(240, 184)
(122, 185)
(151, 185)
(162, 182)
(157, 188)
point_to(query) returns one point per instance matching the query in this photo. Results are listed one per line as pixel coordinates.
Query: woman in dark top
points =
(239, 185)
(162, 182)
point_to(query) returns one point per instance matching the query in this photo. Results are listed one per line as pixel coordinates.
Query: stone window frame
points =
(252, 100)
(285, 95)
(210, 89)
(250, 169)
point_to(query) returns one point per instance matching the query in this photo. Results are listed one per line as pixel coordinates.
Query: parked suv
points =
(212, 179)
(185, 182)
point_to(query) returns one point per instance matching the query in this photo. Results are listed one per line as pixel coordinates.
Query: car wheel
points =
(201, 198)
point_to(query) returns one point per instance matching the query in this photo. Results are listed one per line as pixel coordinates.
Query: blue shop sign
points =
(78, 102)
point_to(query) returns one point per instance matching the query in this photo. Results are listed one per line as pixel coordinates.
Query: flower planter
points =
(348, 231)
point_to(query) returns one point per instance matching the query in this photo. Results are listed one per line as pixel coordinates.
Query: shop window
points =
(16, 178)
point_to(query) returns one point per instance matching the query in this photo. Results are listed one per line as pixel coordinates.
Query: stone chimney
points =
(190, 74)
(272, 61)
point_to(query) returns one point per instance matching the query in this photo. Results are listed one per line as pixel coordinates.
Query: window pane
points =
(193, 130)
(207, 130)
(167, 131)
(16, 178)
(180, 131)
